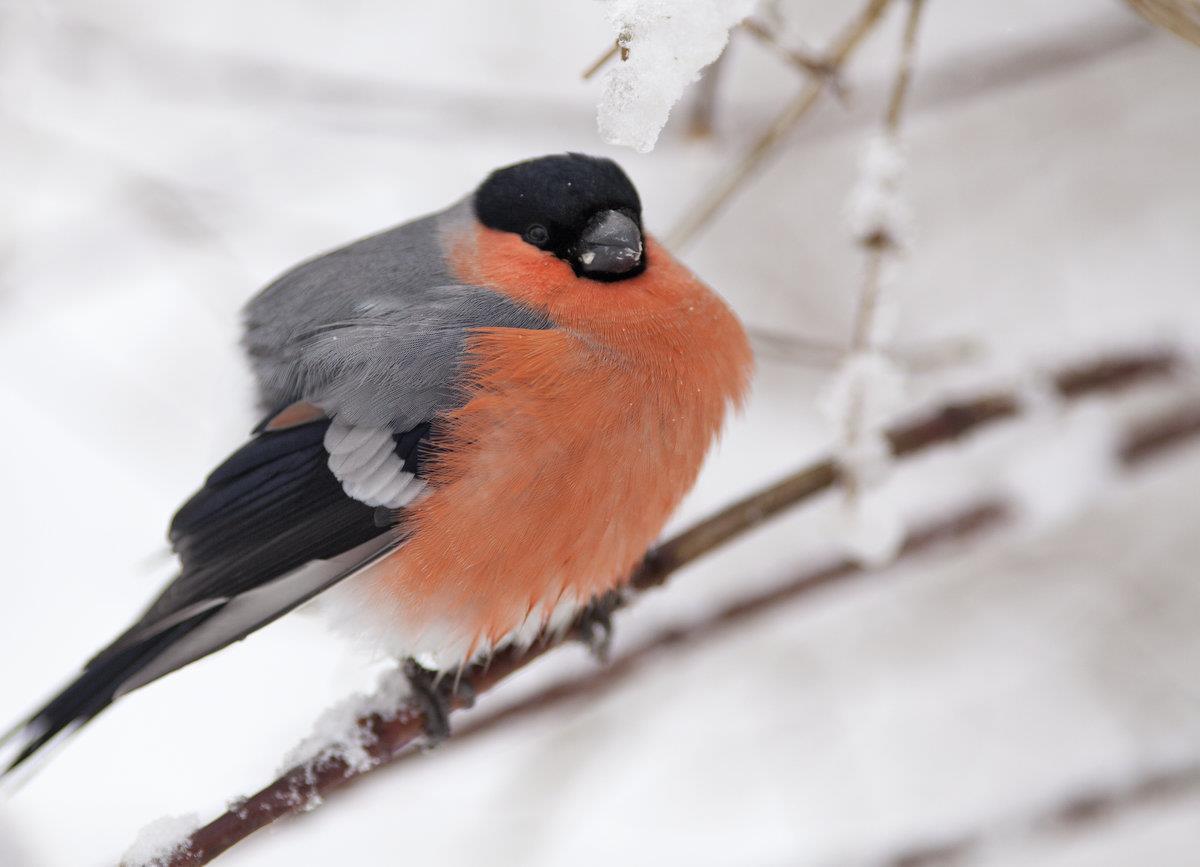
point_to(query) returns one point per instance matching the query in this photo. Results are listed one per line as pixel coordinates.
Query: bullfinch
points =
(476, 425)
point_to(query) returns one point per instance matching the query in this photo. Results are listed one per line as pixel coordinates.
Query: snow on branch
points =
(664, 44)
(161, 842)
(386, 729)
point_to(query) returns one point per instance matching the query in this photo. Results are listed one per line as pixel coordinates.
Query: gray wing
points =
(373, 334)
(374, 331)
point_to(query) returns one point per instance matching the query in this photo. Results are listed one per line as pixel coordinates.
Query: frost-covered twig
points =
(381, 737)
(867, 388)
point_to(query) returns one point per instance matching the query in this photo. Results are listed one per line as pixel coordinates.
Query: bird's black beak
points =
(611, 245)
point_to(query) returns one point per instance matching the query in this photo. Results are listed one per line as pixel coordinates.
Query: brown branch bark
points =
(304, 785)
(904, 71)
(1152, 437)
(1181, 17)
(1076, 813)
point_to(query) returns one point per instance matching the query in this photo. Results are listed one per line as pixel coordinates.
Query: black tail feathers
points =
(82, 700)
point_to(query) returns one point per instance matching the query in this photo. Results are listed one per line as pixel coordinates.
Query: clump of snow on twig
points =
(875, 208)
(869, 385)
(668, 42)
(337, 732)
(160, 841)
(865, 393)
(872, 530)
(1072, 457)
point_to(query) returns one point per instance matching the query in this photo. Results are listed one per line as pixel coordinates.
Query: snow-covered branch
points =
(383, 735)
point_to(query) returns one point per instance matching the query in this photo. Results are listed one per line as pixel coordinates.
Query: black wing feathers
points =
(265, 459)
(411, 446)
(270, 508)
(90, 693)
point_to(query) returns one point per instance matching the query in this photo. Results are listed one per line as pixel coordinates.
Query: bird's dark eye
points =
(537, 235)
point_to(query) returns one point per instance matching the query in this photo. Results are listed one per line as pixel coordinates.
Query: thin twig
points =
(697, 217)
(816, 353)
(878, 247)
(1181, 17)
(908, 53)
(810, 64)
(868, 299)
(601, 61)
(1152, 437)
(796, 348)
(305, 785)
(716, 196)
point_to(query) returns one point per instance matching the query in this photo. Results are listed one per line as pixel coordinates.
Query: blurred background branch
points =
(1181, 17)
(719, 192)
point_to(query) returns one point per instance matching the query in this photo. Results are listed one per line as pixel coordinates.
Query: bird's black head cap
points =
(582, 209)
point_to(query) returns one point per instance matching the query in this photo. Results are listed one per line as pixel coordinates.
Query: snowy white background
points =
(161, 161)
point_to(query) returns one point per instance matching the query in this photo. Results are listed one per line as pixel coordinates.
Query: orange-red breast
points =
(478, 423)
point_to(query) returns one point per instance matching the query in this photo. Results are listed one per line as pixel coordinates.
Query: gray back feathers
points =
(374, 331)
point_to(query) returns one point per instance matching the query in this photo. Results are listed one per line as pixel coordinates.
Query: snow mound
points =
(668, 42)
(866, 392)
(160, 841)
(1071, 460)
(337, 732)
(876, 208)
